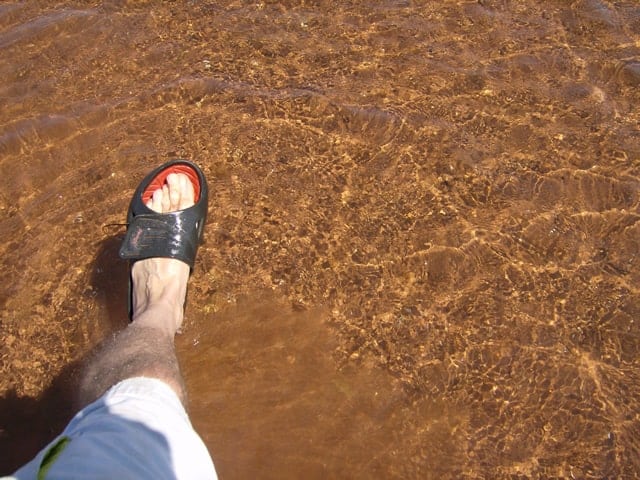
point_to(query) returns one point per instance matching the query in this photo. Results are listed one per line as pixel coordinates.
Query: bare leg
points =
(146, 347)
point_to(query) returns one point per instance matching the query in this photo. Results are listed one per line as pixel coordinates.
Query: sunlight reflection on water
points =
(440, 197)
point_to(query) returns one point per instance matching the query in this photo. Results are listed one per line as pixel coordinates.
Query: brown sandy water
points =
(422, 259)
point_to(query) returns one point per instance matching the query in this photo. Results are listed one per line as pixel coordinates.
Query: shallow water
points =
(422, 253)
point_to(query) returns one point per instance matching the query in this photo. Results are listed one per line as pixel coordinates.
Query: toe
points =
(175, 192)
(156, 201)
(186, 187)
(166, 199)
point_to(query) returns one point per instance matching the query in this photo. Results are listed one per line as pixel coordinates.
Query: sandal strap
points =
(168, 235)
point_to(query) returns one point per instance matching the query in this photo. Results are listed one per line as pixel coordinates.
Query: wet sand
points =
(421, 259)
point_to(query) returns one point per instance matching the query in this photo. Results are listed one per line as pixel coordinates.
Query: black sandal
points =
(169, 235)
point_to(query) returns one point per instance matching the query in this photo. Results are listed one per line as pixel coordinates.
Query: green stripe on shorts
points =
(51, 456)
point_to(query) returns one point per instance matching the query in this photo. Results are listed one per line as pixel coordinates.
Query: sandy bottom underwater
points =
(422, 254)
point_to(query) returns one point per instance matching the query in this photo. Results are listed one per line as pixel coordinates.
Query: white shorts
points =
(138, 429)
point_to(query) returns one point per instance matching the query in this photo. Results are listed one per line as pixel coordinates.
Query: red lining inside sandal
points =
(160, 179)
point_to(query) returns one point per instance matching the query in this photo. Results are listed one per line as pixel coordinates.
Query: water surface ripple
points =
(422, 258)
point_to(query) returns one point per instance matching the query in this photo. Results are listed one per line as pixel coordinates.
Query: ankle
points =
(161, 315)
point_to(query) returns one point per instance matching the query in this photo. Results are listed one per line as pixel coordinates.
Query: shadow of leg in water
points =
(27, 424)
(110, 281)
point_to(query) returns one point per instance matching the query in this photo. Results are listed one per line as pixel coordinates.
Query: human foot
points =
(159, 285)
